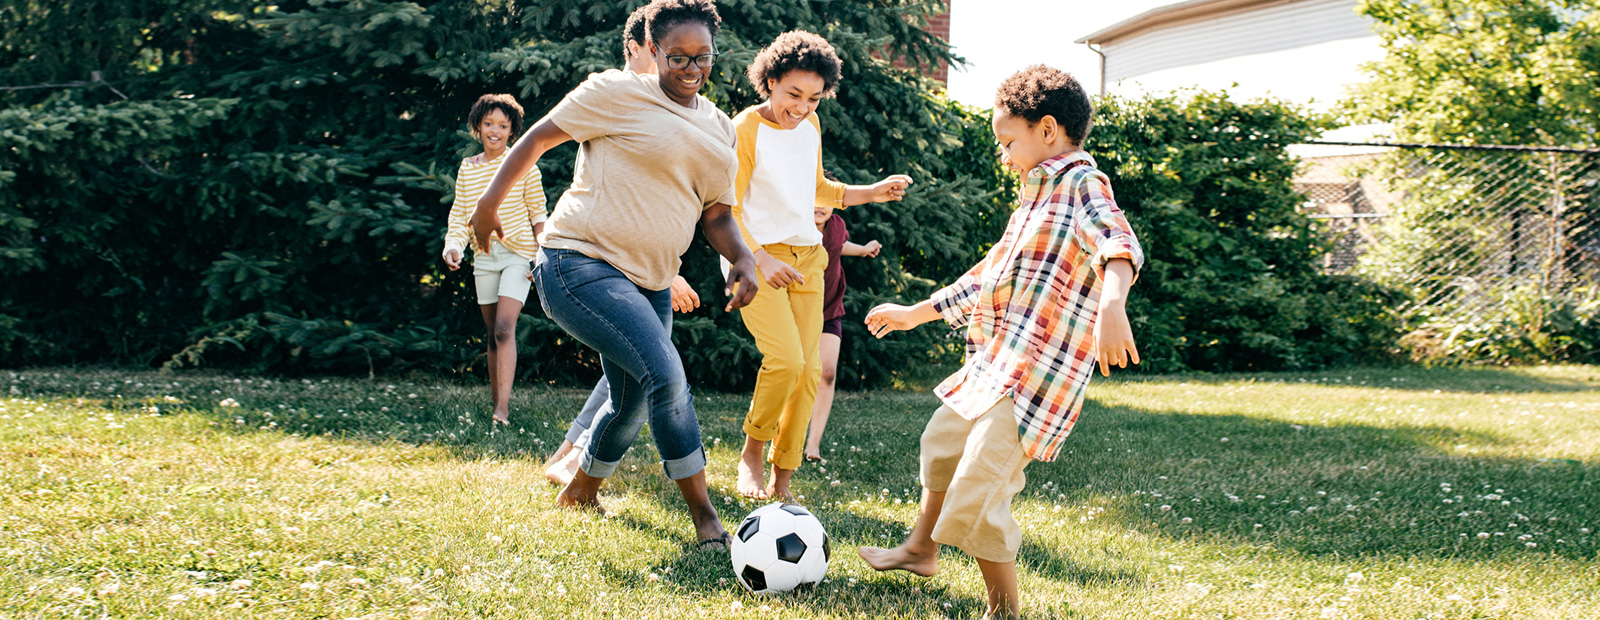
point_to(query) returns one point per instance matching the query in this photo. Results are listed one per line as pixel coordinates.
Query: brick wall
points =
(939, 26)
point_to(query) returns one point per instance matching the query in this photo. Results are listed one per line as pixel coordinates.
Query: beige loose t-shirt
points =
(646, 169)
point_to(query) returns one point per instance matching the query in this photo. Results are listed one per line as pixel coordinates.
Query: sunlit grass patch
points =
(1367, 493)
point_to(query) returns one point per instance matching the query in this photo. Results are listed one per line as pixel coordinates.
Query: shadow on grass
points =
(1462, 379)
(1347, 490)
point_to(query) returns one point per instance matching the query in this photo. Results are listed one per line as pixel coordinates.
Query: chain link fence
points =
(1468, 233)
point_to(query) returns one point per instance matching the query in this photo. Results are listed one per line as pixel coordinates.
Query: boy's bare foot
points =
(751, 469)
(778, 488)
(560, 471)
(899, 558)
(582, 493)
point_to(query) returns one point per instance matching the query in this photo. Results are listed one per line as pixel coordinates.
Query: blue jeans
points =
(630, 328)
(600, 398)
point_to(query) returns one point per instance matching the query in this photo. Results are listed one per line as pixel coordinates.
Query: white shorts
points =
(500, 273)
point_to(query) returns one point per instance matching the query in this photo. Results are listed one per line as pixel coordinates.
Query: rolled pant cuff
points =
(785, 460)
(759, 434)
(680, 468)
(575, 433)
(987, 553)
(597, 468)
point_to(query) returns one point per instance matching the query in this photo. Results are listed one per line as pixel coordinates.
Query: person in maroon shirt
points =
(836, 240)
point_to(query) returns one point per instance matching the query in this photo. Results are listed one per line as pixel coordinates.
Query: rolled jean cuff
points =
(576, 432)
(680, 468)
(597, 468)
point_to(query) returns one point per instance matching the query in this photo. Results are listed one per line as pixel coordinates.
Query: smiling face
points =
(794, 97)
(685, 39)
(820, 215)
(494, 131)
(1024, 146)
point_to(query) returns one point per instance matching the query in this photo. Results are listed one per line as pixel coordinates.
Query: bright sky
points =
(1000, 37)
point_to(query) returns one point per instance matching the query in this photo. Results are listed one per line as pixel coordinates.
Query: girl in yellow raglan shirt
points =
(501, 271)
(780, 182)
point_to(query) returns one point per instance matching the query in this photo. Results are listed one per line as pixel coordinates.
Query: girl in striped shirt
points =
(501, 270)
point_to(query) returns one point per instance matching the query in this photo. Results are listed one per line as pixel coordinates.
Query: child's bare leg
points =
(1000, 579)
(819, 412)
(504, 337)
(582, 492)
(778, 489)
(752, 468)
(919, 554)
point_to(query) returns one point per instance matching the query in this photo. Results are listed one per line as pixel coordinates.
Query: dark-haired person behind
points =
(655, 159)
(1045, 304)
(780, 184)
(500, 267)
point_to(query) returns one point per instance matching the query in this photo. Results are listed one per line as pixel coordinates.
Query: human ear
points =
(1049, 130)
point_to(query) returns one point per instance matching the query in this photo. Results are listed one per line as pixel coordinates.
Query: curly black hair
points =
(1039, 91)
(668, 14)
(634, 29)
(506, 104)
(796, 50)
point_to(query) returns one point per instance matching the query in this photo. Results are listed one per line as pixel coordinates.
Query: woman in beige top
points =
(656, 158)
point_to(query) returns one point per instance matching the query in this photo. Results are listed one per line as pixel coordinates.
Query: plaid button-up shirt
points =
(1029, 307)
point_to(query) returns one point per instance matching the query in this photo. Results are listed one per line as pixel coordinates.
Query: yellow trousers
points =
(787, 326)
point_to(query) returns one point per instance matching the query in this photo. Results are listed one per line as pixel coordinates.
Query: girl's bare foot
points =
(560, 471)
(501, 418)
(751, 469)
(921, 563)
(778, 489)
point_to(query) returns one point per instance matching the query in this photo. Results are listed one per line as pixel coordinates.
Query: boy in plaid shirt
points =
(1039, 311)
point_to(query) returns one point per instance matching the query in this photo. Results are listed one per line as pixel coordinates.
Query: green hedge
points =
(271, 193)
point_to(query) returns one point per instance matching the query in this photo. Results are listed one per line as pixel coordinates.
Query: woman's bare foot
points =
(582, 493)
(751, 469)
(921, 563)
(501, 418)
(778, 488)
(560, 471)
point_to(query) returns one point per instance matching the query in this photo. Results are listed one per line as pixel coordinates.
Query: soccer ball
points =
(778, 548)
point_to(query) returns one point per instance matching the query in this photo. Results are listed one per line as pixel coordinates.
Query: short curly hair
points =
(796, 50)
(506, 104)
(1039, 91)
(668, 14)
(634, 29)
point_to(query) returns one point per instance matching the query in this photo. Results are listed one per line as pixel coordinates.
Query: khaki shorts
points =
(500, 273)
(978, 465)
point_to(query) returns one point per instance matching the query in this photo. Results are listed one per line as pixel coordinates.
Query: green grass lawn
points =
(1369, 493)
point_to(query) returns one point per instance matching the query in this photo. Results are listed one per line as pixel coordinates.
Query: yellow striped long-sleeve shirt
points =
(522, 208)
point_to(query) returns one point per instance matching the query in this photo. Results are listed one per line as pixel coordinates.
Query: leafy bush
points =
(1231, 280)
(264, 187)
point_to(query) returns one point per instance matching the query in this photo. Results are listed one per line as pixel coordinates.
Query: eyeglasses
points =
(704, 61)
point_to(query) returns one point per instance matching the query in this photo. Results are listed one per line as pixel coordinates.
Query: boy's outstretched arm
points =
(1113, 336)
(891, 188)
(895, 317)
(869, 250)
